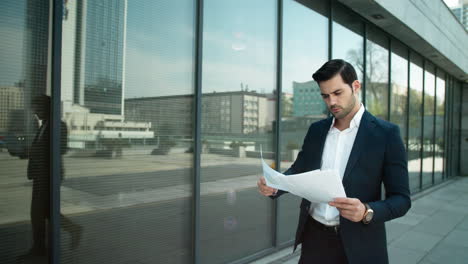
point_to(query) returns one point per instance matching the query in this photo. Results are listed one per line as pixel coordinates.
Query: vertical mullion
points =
(434, 116)
(55, 132)
(389, 81)
(364, 62)
(279, 90)
(197, 131)
(460, 115)
(422, 125)
(445, 131)
(330, 29)
(408, 93)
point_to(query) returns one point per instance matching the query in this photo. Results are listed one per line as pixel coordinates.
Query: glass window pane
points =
(377, 74)
(301, 101)
(399, 87)
(127, 96)
(428, 132)
(439, 147)
(415, 121)
(348, 38)
(238, 102)
(24, 131)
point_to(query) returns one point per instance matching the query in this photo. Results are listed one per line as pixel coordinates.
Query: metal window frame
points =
(279, 110)
(422, 124)
(389, 81)
(434, 124)
(55, 142)
(408, 71)
(364, 63)
(196, 214)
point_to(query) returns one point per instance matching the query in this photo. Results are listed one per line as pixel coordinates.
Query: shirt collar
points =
(356, 121)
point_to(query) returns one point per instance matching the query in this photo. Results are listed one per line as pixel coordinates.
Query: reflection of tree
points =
(287, 106)
(415, 108)
(375, 77)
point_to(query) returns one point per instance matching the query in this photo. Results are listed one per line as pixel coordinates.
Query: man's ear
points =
(356, 86)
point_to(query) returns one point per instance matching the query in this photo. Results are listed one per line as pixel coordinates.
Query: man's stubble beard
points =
(345, 111)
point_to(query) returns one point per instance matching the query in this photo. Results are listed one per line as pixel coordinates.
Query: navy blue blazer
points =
(378, 156)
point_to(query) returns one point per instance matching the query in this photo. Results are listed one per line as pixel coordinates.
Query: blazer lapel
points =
(322, 138)
(364, 132)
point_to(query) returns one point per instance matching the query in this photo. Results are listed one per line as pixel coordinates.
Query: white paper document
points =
(316, 186)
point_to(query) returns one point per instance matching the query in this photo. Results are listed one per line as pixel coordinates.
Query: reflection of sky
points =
(399, 70)
(12, 26)
(344, 42)
(160, 48)
(440, 93)
(416, 75)
(429, 85)
(305, 43)
(239, 45)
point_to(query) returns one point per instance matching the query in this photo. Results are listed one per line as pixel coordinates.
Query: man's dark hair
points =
(334, 67)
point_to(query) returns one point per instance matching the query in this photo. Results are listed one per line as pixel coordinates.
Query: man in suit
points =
(366, 152)
(39, 172)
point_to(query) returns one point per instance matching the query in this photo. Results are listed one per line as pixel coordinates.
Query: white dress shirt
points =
(337, 149)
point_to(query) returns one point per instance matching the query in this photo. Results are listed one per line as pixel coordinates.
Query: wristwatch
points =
(368, 214)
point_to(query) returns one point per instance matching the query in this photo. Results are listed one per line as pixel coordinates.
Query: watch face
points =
(369, 216)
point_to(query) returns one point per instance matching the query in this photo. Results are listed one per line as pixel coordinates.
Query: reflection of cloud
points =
(238, 46)
(238, 42)
(221, 46)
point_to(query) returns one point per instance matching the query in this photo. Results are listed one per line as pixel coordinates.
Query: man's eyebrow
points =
(337, 90)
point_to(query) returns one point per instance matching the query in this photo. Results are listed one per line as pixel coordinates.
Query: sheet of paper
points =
(316, 186)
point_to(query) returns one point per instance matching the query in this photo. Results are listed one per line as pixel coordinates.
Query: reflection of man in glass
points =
(365, 152)
(39, 172)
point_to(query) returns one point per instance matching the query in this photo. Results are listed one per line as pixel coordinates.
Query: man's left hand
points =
(350, 208)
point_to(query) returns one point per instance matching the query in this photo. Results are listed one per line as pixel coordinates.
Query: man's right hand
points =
(264, 189)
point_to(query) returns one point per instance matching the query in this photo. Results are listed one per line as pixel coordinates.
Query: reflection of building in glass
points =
(93, 74)
(307, 100)
(167, 114)
(11, 98)
(461, 12)
(87, 129)
(94, 54)
(104, 55)
(234, 112)
(240, 112)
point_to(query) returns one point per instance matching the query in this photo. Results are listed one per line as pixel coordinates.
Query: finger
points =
(262, 180)
(345, 200)
(344, 206)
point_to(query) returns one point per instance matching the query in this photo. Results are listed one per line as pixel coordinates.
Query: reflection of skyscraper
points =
(93, 70)
(307, 100)
(94, 55)
(11, 98)
(104, 55)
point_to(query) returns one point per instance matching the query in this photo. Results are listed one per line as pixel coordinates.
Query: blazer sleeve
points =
(395, 179)
(298, 164)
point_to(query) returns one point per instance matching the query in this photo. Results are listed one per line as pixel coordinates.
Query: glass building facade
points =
(131, 131)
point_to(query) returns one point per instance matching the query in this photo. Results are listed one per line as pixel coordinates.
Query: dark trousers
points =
(321, 245)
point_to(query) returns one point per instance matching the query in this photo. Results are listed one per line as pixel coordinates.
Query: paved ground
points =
(435, 230)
